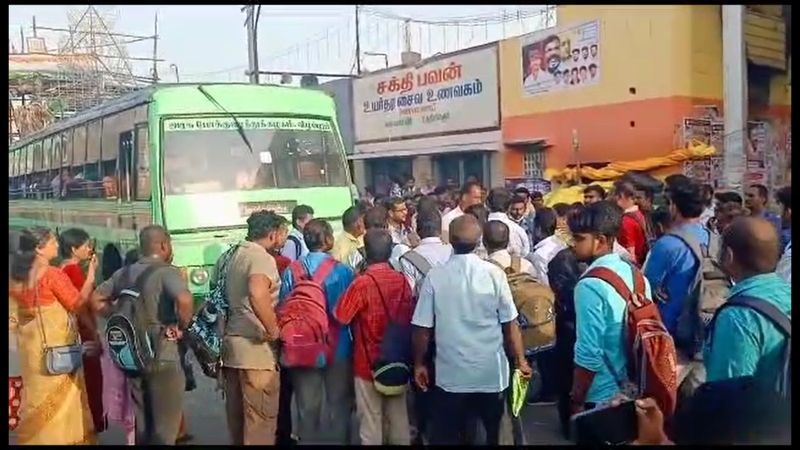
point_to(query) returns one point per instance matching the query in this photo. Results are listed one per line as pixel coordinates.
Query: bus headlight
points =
(199, 276)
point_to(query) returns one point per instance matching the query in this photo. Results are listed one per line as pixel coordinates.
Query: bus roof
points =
(185, 98)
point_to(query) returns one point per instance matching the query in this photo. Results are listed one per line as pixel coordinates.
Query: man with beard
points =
(552, 54)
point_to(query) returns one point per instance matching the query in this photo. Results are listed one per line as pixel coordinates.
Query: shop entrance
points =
(457, 168)
(381, 171)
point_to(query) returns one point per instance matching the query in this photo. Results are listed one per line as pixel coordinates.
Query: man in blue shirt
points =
(600, 356)
(469, 302)
(336, 379)
(743, 341)
(756, 199)
(671, 266)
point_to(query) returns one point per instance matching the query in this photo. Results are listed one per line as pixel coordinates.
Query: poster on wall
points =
(562, 59)
(458, 92)
(531, 184)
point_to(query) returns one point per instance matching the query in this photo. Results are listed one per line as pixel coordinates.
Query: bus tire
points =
(111, 261)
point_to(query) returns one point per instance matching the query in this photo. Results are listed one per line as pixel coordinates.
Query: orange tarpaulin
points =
(614, 170)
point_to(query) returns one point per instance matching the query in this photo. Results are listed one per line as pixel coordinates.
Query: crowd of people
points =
(414, 329)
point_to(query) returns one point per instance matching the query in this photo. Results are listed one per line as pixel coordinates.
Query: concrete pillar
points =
(734, 81)
(497, 171)
(359, 173)
(422, 169)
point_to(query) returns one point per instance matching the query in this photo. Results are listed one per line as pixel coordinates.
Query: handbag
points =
(60, 359)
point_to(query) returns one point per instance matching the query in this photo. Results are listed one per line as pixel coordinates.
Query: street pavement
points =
(205, 414)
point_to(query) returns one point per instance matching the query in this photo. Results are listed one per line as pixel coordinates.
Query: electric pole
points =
(358, 46)
(252, 43)
(734, 89)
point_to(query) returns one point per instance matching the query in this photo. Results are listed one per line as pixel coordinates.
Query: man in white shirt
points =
(495, 238)
(295, 247)
(470, 195)
(430, 252)
(498, 201)
(470, 302)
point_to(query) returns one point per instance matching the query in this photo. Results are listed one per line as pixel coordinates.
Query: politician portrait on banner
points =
(565, 58)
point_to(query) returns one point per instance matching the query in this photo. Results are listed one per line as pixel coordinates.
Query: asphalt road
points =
(204, 410)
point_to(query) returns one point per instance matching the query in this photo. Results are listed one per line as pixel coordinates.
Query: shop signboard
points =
(563, 59)
(453, 93)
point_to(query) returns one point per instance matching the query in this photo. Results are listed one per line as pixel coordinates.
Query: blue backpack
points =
(132, 330)
(204, 333)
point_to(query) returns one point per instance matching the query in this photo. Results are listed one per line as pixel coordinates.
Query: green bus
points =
(195, 158)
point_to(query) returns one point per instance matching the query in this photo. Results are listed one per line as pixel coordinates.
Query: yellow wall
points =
(662, 51)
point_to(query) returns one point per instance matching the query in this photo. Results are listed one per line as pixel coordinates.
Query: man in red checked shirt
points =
(374, 293)
(632, 235)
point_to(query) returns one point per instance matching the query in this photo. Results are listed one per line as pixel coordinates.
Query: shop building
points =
(623, 79)
(437, 120)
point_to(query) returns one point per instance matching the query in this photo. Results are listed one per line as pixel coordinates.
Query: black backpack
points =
(781, 321)
(130, 334)
(391, 371)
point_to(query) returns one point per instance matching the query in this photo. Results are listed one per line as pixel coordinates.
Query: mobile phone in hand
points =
(606, 425)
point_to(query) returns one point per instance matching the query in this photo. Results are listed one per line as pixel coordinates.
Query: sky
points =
(209, 43)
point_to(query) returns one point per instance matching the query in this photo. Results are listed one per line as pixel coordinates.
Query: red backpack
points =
(303, 319)
(652, 361)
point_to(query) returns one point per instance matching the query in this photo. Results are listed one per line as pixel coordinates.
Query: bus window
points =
(94, 132)
(142, 164)
(218, 160)
(79, 146)
(66, 154)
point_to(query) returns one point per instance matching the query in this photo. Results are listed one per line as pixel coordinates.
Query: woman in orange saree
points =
(55, 408)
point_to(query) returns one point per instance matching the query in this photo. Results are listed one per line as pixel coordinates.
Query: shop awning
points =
(528, 141)
(488, 141)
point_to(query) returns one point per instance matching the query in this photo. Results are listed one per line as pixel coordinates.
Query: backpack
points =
(298, 246)
(132, 342)
(650, 351)
(535, 304)
(391, 371)
(204, 333)
(303, 319)
(709, 290)
(781, 321)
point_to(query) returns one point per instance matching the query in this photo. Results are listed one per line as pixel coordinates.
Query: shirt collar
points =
(605, 260)
(350, 237)
(500, 254)
(430, 240)
(633, 208)
(498, 215)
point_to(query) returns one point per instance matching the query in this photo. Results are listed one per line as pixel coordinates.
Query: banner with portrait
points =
(561, 59)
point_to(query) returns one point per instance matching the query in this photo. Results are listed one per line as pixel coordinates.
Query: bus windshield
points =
(208, 155)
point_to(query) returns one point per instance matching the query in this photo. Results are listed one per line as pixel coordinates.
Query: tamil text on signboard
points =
(455, 93)
(562, 59)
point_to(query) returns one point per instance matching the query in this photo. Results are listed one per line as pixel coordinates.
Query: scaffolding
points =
(90, 65)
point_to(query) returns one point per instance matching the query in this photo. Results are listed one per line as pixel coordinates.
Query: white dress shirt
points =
(447, 218)
(518, 243)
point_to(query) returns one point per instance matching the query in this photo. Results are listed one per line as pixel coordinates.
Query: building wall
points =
(659, 63)
(342, 92)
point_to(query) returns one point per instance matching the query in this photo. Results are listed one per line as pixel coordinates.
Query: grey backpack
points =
(708, 292)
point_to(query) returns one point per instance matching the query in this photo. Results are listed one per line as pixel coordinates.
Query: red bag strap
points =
(637, 297)
(324, 269)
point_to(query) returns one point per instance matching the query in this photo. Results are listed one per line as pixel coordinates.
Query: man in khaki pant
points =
(376, 296)
(250, 372)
